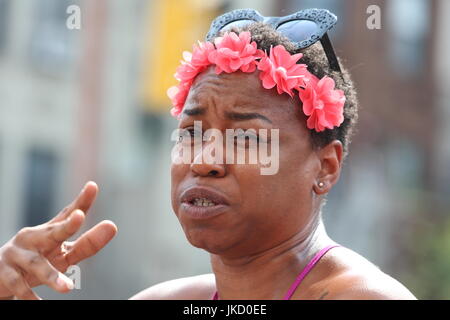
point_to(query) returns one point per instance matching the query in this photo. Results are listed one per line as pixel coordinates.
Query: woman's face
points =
(247, 211)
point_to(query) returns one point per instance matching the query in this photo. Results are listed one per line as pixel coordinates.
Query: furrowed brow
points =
(238, 116)
(194, 111)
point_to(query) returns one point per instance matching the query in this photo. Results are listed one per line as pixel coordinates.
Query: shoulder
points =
(377, 287)
(200, 287)
(360, 279)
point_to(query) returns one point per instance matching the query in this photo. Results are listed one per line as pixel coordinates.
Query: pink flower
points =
(178, 95)
(190, 67)
(194, 63)
(201, 53)
(187, 72)
(280, 69)
(322, 103)
(235, 52)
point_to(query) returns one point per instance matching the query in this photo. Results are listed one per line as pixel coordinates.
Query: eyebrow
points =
(194, 111)
(236, 116)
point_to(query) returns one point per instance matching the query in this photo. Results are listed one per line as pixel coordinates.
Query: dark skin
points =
(247, 265)
(39, 255)
(234, 238)
(269, 232)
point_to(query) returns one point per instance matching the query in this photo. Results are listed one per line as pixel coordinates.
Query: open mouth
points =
(203, 197)
(203, 202)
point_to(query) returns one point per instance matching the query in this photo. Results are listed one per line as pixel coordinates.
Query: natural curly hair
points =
(314, 56)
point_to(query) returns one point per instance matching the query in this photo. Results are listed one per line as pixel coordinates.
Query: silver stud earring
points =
(321, 184)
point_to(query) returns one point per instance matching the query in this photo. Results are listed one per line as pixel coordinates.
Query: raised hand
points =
(39, 255)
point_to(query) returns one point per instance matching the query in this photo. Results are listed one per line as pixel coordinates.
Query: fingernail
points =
(64, 281)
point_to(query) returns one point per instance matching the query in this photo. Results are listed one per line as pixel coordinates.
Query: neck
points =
(268, 274)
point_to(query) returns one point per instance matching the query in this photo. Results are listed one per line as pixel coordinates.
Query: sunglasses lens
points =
(237, 24)
(298, 30)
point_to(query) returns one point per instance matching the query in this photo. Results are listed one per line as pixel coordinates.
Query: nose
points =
(205, 168)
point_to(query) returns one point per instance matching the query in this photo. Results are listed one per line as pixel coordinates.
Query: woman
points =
(264, 232)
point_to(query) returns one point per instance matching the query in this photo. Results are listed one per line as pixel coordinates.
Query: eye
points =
(191, 132)
(187, 135)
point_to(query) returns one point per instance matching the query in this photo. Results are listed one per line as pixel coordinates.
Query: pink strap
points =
(302, 275)
(308, 268)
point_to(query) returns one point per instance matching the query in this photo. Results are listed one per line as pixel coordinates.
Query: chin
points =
(207, 240)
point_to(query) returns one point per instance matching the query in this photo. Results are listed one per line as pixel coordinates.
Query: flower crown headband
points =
(322, 103)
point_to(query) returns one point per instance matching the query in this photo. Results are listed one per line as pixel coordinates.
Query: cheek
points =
(260, 194)
(285, 196)
(283, 204)
(177, 172)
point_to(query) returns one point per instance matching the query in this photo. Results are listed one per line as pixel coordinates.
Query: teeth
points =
(203, 202)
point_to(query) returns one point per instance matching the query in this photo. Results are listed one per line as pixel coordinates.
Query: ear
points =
(330, 158)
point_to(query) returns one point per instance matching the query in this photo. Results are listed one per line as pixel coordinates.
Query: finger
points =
(17, 285)
(46, 237)
(61, 231)
(34, 265)
(90, 242)
(83, 202)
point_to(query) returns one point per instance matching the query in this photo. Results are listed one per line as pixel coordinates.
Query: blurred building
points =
(72, 109)
(38, 95)
(89, 104)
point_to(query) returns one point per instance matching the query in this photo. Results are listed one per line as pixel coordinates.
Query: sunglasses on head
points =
(303, 28)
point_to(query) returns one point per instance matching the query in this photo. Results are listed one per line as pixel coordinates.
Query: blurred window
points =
(408, 23)
(40, 181)
(51, 43)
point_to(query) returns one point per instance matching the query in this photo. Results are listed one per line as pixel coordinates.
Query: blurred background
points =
(90, 104)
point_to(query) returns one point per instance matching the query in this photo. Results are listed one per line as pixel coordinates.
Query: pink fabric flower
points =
(186, 72)
(230, 53)
(194, 63)
(190, 67)
(200, 54)
(178, 95)
(280, 69)
(235, 52)
(322, 103)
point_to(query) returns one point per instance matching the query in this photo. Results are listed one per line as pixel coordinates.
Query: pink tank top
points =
(302, 274)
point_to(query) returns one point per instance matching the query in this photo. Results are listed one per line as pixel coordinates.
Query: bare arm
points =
(379, 287)
(362, 294)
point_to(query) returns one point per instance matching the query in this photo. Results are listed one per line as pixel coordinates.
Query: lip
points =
(197, 212)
